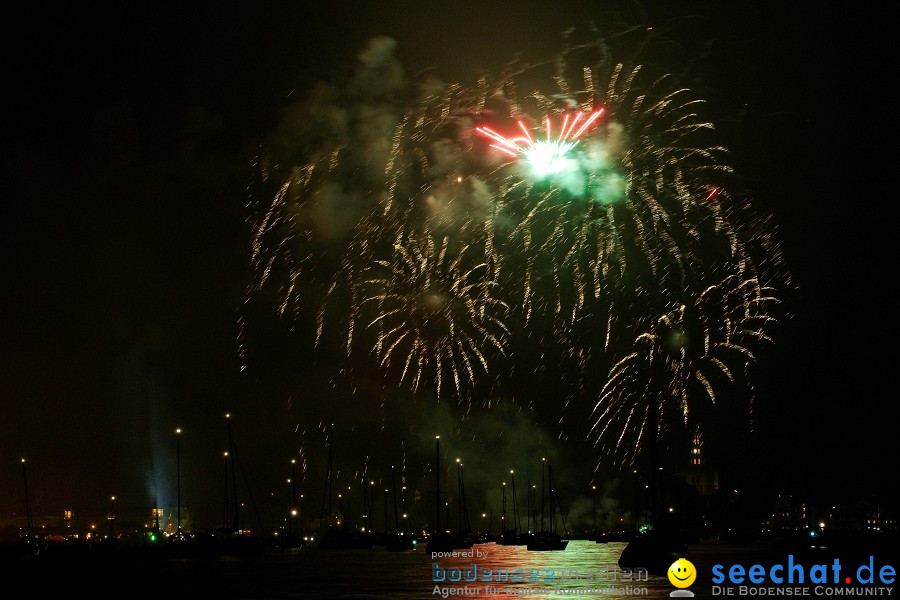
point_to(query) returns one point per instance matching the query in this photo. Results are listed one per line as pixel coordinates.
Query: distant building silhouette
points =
(706, 482)
(861, 516)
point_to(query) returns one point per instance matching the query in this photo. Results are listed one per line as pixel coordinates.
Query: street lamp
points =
(543, 464)
(293, 484)
(178, 474)
(225, 495)
(290, 524)
(112, 516)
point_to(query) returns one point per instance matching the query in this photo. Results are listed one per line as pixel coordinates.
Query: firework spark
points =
(677, 364)
(423, 252)
(547, 156)
(435, 314)
(638, 213)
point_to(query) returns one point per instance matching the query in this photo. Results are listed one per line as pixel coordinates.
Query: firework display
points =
(545, 156)
(437, 240)
(430, 309)
(679, 361)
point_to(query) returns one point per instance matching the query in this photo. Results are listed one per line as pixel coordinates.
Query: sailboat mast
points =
(234, 488)
(394, 487)
(27, 502)
(326, 494)
(437, 491)
(518, 525)
(543, 464)
(552, 514)
(225, 496)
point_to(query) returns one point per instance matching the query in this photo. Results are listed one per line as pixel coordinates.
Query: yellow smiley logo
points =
(682, 573)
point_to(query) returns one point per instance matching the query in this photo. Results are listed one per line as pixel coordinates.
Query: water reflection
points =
(584, 570)
(313, 574)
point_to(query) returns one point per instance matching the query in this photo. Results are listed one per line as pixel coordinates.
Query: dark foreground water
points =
(583, 570)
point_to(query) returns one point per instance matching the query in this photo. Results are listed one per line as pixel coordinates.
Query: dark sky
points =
(129, 138)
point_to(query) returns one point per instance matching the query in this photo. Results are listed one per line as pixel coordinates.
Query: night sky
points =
(129, 140)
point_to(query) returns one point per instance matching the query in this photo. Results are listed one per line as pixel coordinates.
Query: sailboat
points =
(233, 534)
(547, 540)
(443, 540)
(512, 536)
(28, 546)
(399, 541)
(337, 537)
